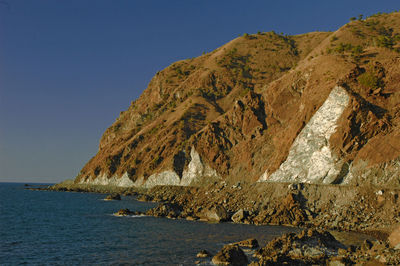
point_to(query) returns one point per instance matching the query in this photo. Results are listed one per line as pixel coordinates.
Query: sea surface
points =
(65, 228)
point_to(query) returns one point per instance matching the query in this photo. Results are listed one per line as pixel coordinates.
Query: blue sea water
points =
(63, 228)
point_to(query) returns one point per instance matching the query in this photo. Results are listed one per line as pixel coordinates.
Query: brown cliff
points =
(239, 113)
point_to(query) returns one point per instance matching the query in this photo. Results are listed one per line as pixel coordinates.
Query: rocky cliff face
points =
(318, 108)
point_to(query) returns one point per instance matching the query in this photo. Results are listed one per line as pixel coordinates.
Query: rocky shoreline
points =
(367, 209)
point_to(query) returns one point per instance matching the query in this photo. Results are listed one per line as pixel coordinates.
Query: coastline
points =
(362, 209)
(365, 209)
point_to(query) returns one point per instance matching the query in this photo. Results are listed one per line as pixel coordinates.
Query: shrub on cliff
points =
(384, 41)
(370, 80)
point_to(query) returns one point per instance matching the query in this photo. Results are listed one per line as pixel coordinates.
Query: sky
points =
(68, 68)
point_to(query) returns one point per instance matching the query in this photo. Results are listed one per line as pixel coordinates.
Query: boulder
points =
(125, 212)
(230, 255)
(216, 214)
(394, 237)
(169, 210)
(203, 254)
(310, 246)
(248, 243)
(113, 196)
(239, 216)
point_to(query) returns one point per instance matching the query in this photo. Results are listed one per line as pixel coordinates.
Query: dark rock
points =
(351, 248)
(248, 243)
(126, 212)
(230, 255)
(203, 254)
(144, 197)
(367, 244)
(114, 196)
(129, 193)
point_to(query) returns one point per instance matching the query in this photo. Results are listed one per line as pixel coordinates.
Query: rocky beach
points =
(321, 210)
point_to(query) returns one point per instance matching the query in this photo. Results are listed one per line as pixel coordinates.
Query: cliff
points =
(321, 107)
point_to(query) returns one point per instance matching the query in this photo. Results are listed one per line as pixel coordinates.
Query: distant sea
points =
(59, 228)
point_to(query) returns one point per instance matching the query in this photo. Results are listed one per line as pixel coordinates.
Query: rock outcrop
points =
(317, 247)
(230, 255)
(127, 212)
(308, 247)
(215, 214)
(203, 254)
(248, 243)
(113, 196)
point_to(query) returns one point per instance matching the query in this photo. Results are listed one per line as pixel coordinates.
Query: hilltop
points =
(321, 107)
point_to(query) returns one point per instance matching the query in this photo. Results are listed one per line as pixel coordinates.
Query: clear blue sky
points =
(67, 68)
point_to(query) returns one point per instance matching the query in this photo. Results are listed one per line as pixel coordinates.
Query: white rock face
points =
(122, 181)
(195, 172)
(386, 173)
(310, 158)
(164, 178)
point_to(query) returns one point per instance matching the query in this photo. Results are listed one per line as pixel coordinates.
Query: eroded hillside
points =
(320, 107)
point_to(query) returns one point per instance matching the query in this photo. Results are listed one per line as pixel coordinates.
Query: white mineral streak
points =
(123, 181)
(195, 172)
(310, 158)
(168, 177)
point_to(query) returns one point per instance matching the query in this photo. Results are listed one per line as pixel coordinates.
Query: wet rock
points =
(203, 254)
(191, 218)
(113, 196)
(248, 243)
(239, 216)
(230, 255)
(216, 214)
(127, 212)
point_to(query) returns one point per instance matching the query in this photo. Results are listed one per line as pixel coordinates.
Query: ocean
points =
(65, 228)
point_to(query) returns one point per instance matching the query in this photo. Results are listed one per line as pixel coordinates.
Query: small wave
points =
(137, 216)
(129, 216)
